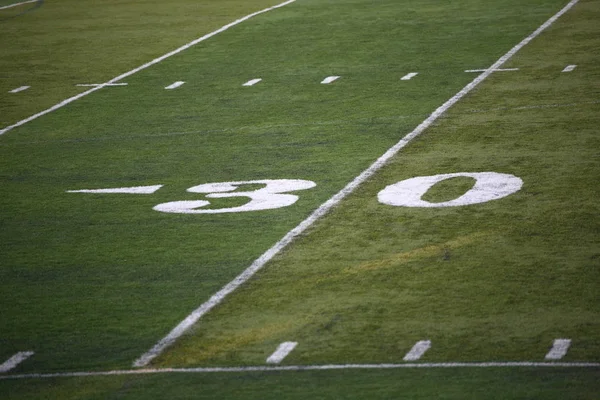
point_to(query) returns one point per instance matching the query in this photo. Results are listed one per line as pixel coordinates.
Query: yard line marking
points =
(408, 77)
(559, 349)
(18, 4)
(252, 82)
(282, 352)
(142, 67)
(102, 84)
(569, 68)
(327, 367)
(15, 360)
(329, 79)
(20, 89)
(495, 70)
(127, 190)
(218, 297)
(417, 350)
(174, 85)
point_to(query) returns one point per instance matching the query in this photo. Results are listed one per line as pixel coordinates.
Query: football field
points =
(300, 199)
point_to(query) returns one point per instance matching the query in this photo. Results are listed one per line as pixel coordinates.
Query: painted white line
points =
(417, 350)
(569, 68)
(20, 89)
(142, 67)
(282, 352)
(252, 82)
(329, 79)
(559, 349)
(18, 4)
(149, 371)
(15, 360)
(495, 70)
(102, 84)
(218, 297)
(174, 85)
(127, 190)
(408, 77)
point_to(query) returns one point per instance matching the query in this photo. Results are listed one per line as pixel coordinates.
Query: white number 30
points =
(273, 195)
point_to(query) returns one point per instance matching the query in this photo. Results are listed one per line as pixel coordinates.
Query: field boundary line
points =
(142, 67)
(18, 4)
(327, 367)
(218, 297)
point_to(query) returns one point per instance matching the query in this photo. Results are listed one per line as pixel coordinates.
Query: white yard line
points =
(559, 349)
(18, 4)
(417, 350)
(329, 79)
(20, 89)
(408, 77)
(218, 297)
(304, 368)
(569, 68)
(101, 84)
(15, 360)
(496, 70)
(140, 68)
(282, 352)
(252, 82)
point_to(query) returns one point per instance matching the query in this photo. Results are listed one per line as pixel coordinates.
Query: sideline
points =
(140, 68)
(307, 368)
(258, 264)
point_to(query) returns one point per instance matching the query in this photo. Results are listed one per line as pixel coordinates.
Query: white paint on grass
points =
(408, 77)
(101, 84)
(559, 349)
(273, 195)
(262, 368)
(15, 360)
(495, 70)
(142, 67)
(20, 89)
(174, 85)
(329, 79)
(569, 68)
(282, 352)
(488, 186)
(259, 263)
(418, 350)
(252, 82)
(18, 4)
(124, 190)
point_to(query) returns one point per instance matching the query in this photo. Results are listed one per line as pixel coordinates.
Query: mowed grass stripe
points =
(492, 282)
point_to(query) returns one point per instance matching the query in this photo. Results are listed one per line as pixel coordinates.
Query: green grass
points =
(93, 281)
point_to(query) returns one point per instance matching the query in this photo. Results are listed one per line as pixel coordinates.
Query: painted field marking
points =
(252, 82)
(101, 84)
(559, 349)
(408, 77)
(262, 368)
(19, 89)
(15, 360)
(260, 262)
(174, 85)
(569, 68)
(127, 190)
(418, 350)
(142, 67)
(329, 79)
(18, 4)
(495, 70)
(282, 352)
